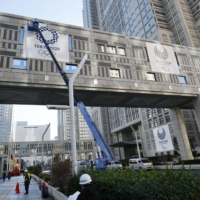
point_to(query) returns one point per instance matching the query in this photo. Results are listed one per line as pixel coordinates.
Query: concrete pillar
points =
(181, 134)
(196, 104)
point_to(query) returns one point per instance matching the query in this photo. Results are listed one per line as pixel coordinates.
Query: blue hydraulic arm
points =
(107, 154)
(106, 151)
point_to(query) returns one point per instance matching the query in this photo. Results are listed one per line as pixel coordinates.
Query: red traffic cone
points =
(17, 188)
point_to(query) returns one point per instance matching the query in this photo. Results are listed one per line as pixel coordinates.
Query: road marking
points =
(7, 191)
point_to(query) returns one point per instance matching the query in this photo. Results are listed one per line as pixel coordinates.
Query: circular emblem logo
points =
(161, 52)
(45, 53)
(161, 135)
(53, 35)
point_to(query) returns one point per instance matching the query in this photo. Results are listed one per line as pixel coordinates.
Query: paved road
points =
(7, 190)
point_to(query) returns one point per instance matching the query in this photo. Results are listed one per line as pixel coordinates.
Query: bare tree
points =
(61, 170)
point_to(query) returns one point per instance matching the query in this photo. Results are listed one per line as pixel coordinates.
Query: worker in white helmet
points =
(88, 192)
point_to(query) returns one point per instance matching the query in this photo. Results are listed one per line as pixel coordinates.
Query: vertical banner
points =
(162, 58)
(163, 139)
(33, 46)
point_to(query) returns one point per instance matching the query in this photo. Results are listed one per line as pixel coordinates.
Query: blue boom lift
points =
(105, 149)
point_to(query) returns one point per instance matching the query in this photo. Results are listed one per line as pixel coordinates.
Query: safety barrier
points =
(51, 190)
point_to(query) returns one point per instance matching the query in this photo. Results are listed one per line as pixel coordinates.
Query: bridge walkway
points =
(7, 190)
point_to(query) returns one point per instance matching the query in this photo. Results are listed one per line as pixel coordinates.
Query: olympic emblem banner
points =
(33, 46)
(163, 139)
(162, 58)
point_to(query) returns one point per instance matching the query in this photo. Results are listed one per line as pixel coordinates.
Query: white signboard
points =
(34, 47)
(162, 58)
(163, 139)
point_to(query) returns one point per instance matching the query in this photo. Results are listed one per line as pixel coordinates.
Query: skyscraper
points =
(26, 133)
(81, 128)
(167, 21)
(111, 17)
(6, 119)
(90, 16)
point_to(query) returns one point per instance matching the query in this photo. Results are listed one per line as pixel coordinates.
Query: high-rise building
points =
(28, 133)
(167, 21)
(101, 118)
(84, 137)
(81, 128)
(111, 17)
(6, 118)
(90, 16)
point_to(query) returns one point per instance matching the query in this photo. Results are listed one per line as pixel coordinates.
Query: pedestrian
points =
(27, 180)
(4, 176)
(88, 192)
(9, 175)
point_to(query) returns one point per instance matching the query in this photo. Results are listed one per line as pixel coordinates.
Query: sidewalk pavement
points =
(7, 190)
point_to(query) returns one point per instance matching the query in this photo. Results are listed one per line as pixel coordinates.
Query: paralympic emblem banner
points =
(163, 139)
(33, 46)
(162, 58)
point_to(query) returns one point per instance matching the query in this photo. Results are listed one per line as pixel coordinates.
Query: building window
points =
(182, 79)
(111, 49)
(114, 73)
(150, 124)
(19, 64)
(167, 118)
(21, 36)
(70, 43)
(155, 123)
(151, 77)
(121, 51)
(159, 110)
(161, 121)
(70, 69)
(101, 48)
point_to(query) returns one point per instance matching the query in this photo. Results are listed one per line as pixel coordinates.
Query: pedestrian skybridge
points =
(120, 71)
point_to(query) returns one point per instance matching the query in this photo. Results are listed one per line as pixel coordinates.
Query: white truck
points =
(114, 165)
(140, 163)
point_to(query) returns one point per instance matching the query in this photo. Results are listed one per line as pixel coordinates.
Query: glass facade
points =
(6, 119)
(82, 130)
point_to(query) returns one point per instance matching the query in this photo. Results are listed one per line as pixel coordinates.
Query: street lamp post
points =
(36, 152)
(138, 150)
(43, 144)
(71, 104)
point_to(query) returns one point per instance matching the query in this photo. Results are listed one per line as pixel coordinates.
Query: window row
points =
(111, 49)
(70, 69)
(151, 77)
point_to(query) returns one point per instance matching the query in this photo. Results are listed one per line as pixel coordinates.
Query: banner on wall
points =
(162, 58)
(33, 46)
(163, 139)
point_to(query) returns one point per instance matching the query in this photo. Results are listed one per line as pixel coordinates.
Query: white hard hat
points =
(85, 179)
(26, 170)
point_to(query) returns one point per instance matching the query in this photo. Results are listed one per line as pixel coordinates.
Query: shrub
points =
(45, 177)
(145, 185)
(35, 169)
(189, 162)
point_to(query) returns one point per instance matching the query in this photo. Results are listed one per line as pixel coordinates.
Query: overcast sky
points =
(64, 11)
